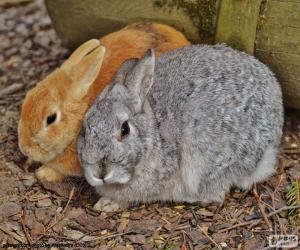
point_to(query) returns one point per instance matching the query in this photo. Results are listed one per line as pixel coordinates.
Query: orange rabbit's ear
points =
(80, 53)
(86, 71)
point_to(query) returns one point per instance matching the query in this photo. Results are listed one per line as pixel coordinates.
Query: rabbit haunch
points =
(202, 119)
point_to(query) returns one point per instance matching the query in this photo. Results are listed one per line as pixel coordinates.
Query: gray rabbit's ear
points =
(140, 79)
(124, 69)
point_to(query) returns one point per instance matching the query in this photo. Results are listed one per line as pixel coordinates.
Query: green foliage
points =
(293, 199)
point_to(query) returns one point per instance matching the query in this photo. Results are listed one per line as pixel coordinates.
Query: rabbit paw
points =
(46, 173)
(107, 205)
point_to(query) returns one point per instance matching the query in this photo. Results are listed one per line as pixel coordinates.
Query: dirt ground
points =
(58, 218)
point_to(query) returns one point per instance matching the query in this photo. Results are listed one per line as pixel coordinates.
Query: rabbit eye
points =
(51, 119)
(125, 129)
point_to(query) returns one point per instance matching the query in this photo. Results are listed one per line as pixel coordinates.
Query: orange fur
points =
(55, 146)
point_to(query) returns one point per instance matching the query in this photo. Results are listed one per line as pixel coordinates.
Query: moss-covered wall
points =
(76, 21)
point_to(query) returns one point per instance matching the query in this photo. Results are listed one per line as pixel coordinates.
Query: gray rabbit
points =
(185, 127)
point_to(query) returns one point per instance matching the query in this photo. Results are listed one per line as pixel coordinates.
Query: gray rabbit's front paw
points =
(107, 205)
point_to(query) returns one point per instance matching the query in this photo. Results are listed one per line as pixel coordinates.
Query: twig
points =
(239, 225)
(189, 241)
(282, 209)
(281, 226)
(243, 196)
(115, 235)
(14, 235)
(25, 229)
(11, 89)
(195, 217)
(296, 230)
(57, 236)
(51, 225)
(171, 233)
(210, 239)
(71, 194)
(257, 221)
(183, 245)
(103, 237)
(262, 208)
(182, 227)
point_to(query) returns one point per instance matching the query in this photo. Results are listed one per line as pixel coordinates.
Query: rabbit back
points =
(222, 111)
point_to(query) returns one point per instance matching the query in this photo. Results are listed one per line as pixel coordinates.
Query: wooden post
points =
(278, 45)
(237, 22)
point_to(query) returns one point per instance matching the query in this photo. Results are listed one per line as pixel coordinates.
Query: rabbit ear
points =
(140, 79)
(86, 71)
(124, 69)
(80, 53)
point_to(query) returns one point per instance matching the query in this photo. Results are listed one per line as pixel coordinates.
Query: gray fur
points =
(211, 120)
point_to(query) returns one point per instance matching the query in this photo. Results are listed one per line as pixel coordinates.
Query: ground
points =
(34, 213)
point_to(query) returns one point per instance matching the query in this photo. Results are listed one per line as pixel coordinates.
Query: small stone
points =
(37, 229)
(9, 209)
(137, 239)
(74, 234)
(106, 205)
(44, 203)
(59, 209)
(29, 180)
(223, 244)
(14, 169)
(43, 215)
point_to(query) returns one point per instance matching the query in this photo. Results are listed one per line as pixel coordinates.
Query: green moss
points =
(202, 13)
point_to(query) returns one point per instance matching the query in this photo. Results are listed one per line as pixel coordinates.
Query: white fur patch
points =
(265, 168)
(192, 170)
(91, 178)
(114, 176)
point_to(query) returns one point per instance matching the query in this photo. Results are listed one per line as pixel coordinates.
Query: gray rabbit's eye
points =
(50, 119)
(125, 130)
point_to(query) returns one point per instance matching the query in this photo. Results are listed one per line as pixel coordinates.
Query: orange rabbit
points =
(52, 112)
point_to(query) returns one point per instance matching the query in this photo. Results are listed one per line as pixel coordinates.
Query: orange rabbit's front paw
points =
(46, 173)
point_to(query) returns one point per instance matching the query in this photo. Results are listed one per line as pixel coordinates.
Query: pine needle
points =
(293, 199)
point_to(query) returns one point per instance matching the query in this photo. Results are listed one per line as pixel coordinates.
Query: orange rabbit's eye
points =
(51, 119)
